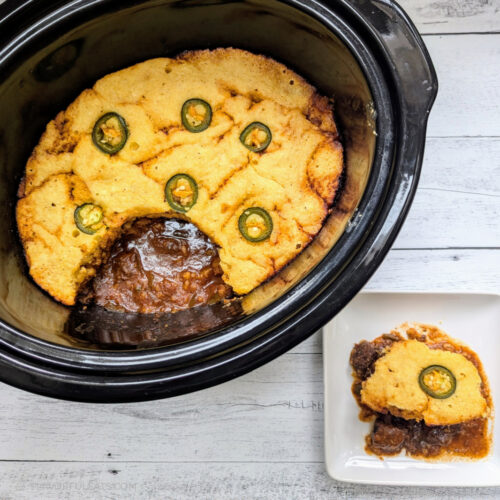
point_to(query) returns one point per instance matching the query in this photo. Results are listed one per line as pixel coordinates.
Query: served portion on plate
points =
(407, 450)
(426, 393)
(236, 155)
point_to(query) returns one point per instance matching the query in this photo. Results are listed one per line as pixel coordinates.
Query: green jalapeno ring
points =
(266, 220)
(99, 136)
(249, 129)
(88, 218)
(436, 393)
(185, 113)
(170, 195)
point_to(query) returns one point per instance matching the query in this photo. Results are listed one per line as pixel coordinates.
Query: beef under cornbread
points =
(426, 392)
(293, 178)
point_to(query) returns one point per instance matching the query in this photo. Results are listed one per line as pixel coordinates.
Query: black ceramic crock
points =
(50, 51)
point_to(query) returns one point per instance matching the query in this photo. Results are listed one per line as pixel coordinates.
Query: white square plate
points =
(473, 318)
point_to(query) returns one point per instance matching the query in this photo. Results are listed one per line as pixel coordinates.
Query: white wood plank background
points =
(261, 436)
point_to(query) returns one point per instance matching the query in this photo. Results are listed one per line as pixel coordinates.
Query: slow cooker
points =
(364, 54)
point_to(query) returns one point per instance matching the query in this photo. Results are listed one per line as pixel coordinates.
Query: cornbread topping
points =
(236, 143)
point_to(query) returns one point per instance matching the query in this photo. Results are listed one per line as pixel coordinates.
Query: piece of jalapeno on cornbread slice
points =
(256, 137)
(437, 381)
(255, 224)
(196, 115)
(181, 192)
(110, 133)
(88, 218)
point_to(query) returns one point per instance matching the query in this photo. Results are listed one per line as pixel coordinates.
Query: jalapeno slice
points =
(196, 115)
(256, 137)
(255, 224)
(110, 133)
(437, 381)
(181, 192)
(88, 218)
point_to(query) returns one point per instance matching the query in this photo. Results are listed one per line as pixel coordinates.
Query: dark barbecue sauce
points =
(158, 266)
(392, 435)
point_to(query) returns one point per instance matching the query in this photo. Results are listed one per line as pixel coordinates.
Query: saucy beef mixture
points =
(391, 435)
(159, 266)
(95, 325)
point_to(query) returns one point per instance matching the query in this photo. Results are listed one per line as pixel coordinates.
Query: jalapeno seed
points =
(256, 137)
(437, 381)
(196, 115)
(255, 224)
(181, 192)
(88, 218)
(110, 133)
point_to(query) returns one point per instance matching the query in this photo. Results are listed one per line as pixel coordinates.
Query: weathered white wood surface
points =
(468, 103)
(261, 436)
(454, 16)
(200, 481)
(458, 199)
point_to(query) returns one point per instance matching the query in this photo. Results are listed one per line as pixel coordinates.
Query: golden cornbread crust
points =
(295, 179)
(394, 388)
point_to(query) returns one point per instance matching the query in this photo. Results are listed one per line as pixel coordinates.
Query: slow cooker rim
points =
(54, 380)
(147, 359)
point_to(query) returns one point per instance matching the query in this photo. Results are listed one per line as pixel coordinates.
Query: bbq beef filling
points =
(158, 266)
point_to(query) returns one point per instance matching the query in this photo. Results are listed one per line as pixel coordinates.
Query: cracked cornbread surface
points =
(395, 385)
(294, 179)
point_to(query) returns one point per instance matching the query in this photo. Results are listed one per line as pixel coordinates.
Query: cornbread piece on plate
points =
(396, 385)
